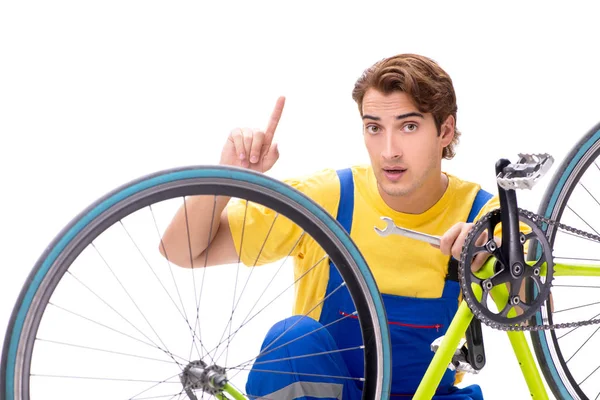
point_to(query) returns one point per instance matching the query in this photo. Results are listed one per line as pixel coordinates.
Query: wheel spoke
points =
(587, 377)
(584, 343)
(273, 278)
(237, 271)
(181, 311)
(254, 265)
(305, 356)
(210, 235)
(579, 237)
(590, 193)
(170, 396)
(577, 286)
(576, 307)
(152, 387)
(100, 378)
(264, 352)
(132, 300)
(189, 240)
(112, 308)
(247, 321)
(152, 344)
(583, 220)
(156, 276)
(103, 350)
(305, 374)
(574, 329)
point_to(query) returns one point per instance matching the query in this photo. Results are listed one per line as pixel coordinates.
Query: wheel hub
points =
(197, 375)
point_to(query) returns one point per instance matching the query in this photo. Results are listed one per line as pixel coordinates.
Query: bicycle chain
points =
(539, 220)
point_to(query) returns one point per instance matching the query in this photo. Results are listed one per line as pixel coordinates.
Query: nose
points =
(392, 148)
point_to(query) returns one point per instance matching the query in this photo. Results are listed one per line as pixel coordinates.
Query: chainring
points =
(542, 278)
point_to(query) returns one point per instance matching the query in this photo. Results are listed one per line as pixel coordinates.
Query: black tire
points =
(241, 183)
(547, 348)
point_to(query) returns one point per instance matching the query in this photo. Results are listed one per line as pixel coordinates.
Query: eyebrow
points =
(401, 116)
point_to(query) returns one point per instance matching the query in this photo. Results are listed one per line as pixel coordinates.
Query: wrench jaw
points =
(381, 232)
(389, 229)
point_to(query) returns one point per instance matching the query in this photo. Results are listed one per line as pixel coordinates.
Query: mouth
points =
(394, 173)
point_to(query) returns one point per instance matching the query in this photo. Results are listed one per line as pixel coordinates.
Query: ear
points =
(447, 131)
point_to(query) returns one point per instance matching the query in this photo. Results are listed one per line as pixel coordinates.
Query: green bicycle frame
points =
(235, 394)
(462, 319)
(573, 270)
(458, 327)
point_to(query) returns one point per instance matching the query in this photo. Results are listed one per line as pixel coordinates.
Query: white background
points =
(94, 94)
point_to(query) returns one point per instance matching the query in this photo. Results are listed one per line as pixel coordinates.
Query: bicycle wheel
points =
(568, 357)
(84, 361)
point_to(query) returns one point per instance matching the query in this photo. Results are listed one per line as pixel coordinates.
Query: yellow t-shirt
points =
(400, 265)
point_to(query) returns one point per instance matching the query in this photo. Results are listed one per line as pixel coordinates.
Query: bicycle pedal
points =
(459, 360)
(463, 366)
(525, 173)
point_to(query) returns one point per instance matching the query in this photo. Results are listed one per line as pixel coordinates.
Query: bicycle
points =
(56, 274)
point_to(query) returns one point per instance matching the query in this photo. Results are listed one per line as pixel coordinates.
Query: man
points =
(408, 108)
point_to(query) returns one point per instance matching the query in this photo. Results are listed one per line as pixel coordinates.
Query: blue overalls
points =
(414, 324)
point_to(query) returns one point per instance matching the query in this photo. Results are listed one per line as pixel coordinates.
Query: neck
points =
(421, 199)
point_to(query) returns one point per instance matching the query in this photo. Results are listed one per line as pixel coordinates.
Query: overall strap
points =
(346, 206)
(480, 200)
(344, 217)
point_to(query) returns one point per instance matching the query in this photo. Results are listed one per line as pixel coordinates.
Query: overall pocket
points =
(414, 324)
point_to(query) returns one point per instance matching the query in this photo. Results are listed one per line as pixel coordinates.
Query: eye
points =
(410, 127)
(372, 129)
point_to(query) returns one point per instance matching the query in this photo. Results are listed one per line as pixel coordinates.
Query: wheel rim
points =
(565, 384)
(64, 247)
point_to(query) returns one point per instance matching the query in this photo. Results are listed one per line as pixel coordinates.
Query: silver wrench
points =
(391, 228)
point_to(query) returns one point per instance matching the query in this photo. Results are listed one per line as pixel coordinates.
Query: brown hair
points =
(422, 79)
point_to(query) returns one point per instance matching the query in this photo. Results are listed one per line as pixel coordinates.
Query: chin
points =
(394, 189)
(397, 191)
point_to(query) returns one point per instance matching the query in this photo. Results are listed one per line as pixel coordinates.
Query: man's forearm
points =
(192, 229)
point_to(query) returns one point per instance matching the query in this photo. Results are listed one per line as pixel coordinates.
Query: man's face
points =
(403, 143)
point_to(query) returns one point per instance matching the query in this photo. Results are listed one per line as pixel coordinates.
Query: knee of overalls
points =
(289, 365)
(292, 337)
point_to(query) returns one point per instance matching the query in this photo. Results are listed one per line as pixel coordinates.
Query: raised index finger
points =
(275, 116)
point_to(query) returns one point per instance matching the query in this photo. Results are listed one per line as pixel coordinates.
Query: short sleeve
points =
(263, 236)
(492, 204)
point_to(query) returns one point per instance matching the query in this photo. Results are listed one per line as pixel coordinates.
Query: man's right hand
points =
(252, 148)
